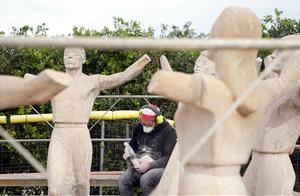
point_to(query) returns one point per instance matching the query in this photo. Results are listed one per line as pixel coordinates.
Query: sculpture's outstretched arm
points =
(198, 89)
(117, 79)
(15, 91)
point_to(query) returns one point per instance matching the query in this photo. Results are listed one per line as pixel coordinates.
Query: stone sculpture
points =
(70, 150)
(270, 171)
(204, 99)
(169, 181)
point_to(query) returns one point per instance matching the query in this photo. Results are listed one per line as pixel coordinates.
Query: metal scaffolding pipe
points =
(131, 96)
(102, 115)
(95, 115)
(148, 43)
(114, 115)
(30, 118)
(3, 120)
(48, 140)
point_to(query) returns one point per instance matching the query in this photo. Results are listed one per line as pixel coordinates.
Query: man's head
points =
(150, 116)
(74, 58)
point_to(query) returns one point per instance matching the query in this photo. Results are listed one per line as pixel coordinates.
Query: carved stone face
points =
(278, 66)
(74, 58)
(204, 65)
(270, 59)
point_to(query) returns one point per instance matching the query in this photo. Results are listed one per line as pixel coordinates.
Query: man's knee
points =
(126, 183)
(151, 178)
(128, 178)
(146, 182)
(125, 180)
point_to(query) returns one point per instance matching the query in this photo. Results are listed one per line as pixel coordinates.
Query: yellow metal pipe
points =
(95, 115)
(30, 118)
(2, 119)
(115, 115)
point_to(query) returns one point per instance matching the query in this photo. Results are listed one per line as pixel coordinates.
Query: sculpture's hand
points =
(258, 63)
(158, 82)
(142, 62)
(29, 76)
(164, 63)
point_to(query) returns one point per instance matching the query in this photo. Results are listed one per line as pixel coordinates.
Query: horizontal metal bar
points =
(148, 43)
(48, 140)
(100, 178)
(95, 115)
(297, 147)
(131, 96)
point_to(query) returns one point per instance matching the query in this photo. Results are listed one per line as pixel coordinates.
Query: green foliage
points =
(185, 32)
(277, 26)
(40, 30)
(122, 28)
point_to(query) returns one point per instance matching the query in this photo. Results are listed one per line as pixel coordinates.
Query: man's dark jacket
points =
(158, 144)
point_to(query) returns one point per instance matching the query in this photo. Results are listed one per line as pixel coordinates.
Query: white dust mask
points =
(147, 129)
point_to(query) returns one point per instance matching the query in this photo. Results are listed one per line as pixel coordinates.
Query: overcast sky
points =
(61, 15)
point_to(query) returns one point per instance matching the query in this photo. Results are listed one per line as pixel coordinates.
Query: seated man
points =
(148, 151)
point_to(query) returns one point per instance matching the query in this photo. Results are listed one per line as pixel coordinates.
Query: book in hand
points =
(130, 154)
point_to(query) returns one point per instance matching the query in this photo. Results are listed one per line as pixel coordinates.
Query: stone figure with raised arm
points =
(70, 150)
(16, 91)
(270, 171)
(168, 184)
(214, 169)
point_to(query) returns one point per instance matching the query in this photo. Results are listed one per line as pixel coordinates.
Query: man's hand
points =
(142, 167)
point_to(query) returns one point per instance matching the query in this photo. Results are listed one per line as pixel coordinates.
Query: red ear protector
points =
(159, 119)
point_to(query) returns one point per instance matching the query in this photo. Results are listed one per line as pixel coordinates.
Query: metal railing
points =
(148, 43)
